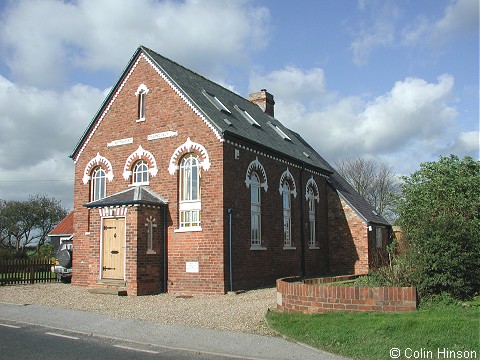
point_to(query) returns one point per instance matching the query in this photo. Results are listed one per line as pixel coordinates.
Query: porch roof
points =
(138, 195)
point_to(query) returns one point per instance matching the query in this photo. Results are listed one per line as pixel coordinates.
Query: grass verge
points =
(421, 334)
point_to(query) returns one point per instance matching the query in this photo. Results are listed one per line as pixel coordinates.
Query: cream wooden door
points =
(113, 248)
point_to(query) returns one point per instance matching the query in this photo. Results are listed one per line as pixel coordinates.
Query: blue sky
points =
(388, 79)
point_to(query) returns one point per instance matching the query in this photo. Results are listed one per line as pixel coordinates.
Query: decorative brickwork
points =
(319, 295)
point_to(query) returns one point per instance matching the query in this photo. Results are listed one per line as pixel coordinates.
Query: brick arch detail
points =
(140, 154)
(311, 182)
(98, 160)
(188, 146)
(256, 165)
(287, 175)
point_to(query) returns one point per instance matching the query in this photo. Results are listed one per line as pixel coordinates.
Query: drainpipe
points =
(229, 212)
(165, 248)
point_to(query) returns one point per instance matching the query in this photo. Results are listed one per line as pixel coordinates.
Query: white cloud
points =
(414, 113)
(380, 31)
(460, 18)
(101, 35)
(38, 130)
(467, 143)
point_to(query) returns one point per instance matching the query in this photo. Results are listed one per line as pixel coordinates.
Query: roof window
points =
(247, 116)
(216, 102)
(279, 131)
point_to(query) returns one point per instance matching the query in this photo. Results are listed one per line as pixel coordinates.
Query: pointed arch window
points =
(256, 213)
(287, 215)
(98, 184)
(312, 195)
(190, 204)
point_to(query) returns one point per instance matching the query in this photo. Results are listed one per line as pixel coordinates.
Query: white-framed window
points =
(311, 217)
(140, 173)
(98, 184)
(190, 204)
(256, 213)
(140, 94)
(378, 237)
(287, 215)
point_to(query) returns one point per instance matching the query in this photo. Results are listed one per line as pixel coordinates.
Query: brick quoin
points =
(344, 243)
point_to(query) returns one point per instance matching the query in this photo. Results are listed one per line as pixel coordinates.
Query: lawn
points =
(432, 332)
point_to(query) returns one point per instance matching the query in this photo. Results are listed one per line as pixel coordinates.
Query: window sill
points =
(188, 229)
(140, 120)
(257, 247)
(289, 248)
(146, 183)
(151, 252)
(314, 248)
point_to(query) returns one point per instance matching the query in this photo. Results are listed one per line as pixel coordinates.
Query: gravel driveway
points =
(243, 312)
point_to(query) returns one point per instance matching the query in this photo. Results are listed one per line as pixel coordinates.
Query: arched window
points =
(140, 94)
(287, 215)
(140, 173)
(190, 196)
(256, 219)
(311, 216)
(98, 184)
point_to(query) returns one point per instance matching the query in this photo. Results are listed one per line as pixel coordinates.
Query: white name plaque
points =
(120, 142)
(192, 267)
(162, 135)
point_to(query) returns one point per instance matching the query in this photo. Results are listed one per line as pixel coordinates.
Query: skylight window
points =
(280, 131)
(215, 101)
(247, 116)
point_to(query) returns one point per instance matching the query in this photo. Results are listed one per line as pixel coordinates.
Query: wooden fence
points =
(27, 271)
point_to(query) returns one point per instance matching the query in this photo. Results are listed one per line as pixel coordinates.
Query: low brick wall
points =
(310, 296)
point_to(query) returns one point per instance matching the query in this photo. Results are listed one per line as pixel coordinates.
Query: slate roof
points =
(231, 123)
(64, 227)
(137, 195)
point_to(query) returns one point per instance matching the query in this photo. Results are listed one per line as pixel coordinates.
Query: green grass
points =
(372, 335)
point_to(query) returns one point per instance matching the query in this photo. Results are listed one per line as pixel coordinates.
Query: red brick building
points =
(184, 186)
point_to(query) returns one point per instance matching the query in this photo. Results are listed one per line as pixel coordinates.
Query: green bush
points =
(440, 216)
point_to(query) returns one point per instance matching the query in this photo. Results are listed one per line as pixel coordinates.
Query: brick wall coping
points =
(309, 296)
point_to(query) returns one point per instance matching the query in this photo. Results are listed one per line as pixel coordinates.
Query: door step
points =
(110, 287)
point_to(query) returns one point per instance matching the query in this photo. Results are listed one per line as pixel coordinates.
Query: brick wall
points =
(294, 296)
(165, 111)
(254, 268)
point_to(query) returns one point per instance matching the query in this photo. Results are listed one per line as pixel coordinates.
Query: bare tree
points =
(375, 181)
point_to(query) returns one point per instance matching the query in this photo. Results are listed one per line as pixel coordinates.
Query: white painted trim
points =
(188, 229)
(189, 146)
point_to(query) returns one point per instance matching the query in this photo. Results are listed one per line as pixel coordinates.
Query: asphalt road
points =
(21, 341)
(183, 341)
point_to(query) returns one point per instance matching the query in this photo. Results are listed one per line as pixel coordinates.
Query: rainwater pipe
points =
(230, 212)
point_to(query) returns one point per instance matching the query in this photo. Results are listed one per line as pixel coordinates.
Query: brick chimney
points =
(265, 100)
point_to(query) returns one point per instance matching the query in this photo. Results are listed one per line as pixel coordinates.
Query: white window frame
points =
(287, 216)
(255, 212)
(98, 184)
(144, 172)
(190, 204)
(312, 241)
(140, 93)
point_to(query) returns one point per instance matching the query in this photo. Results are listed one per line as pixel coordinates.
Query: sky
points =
(392, 80)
